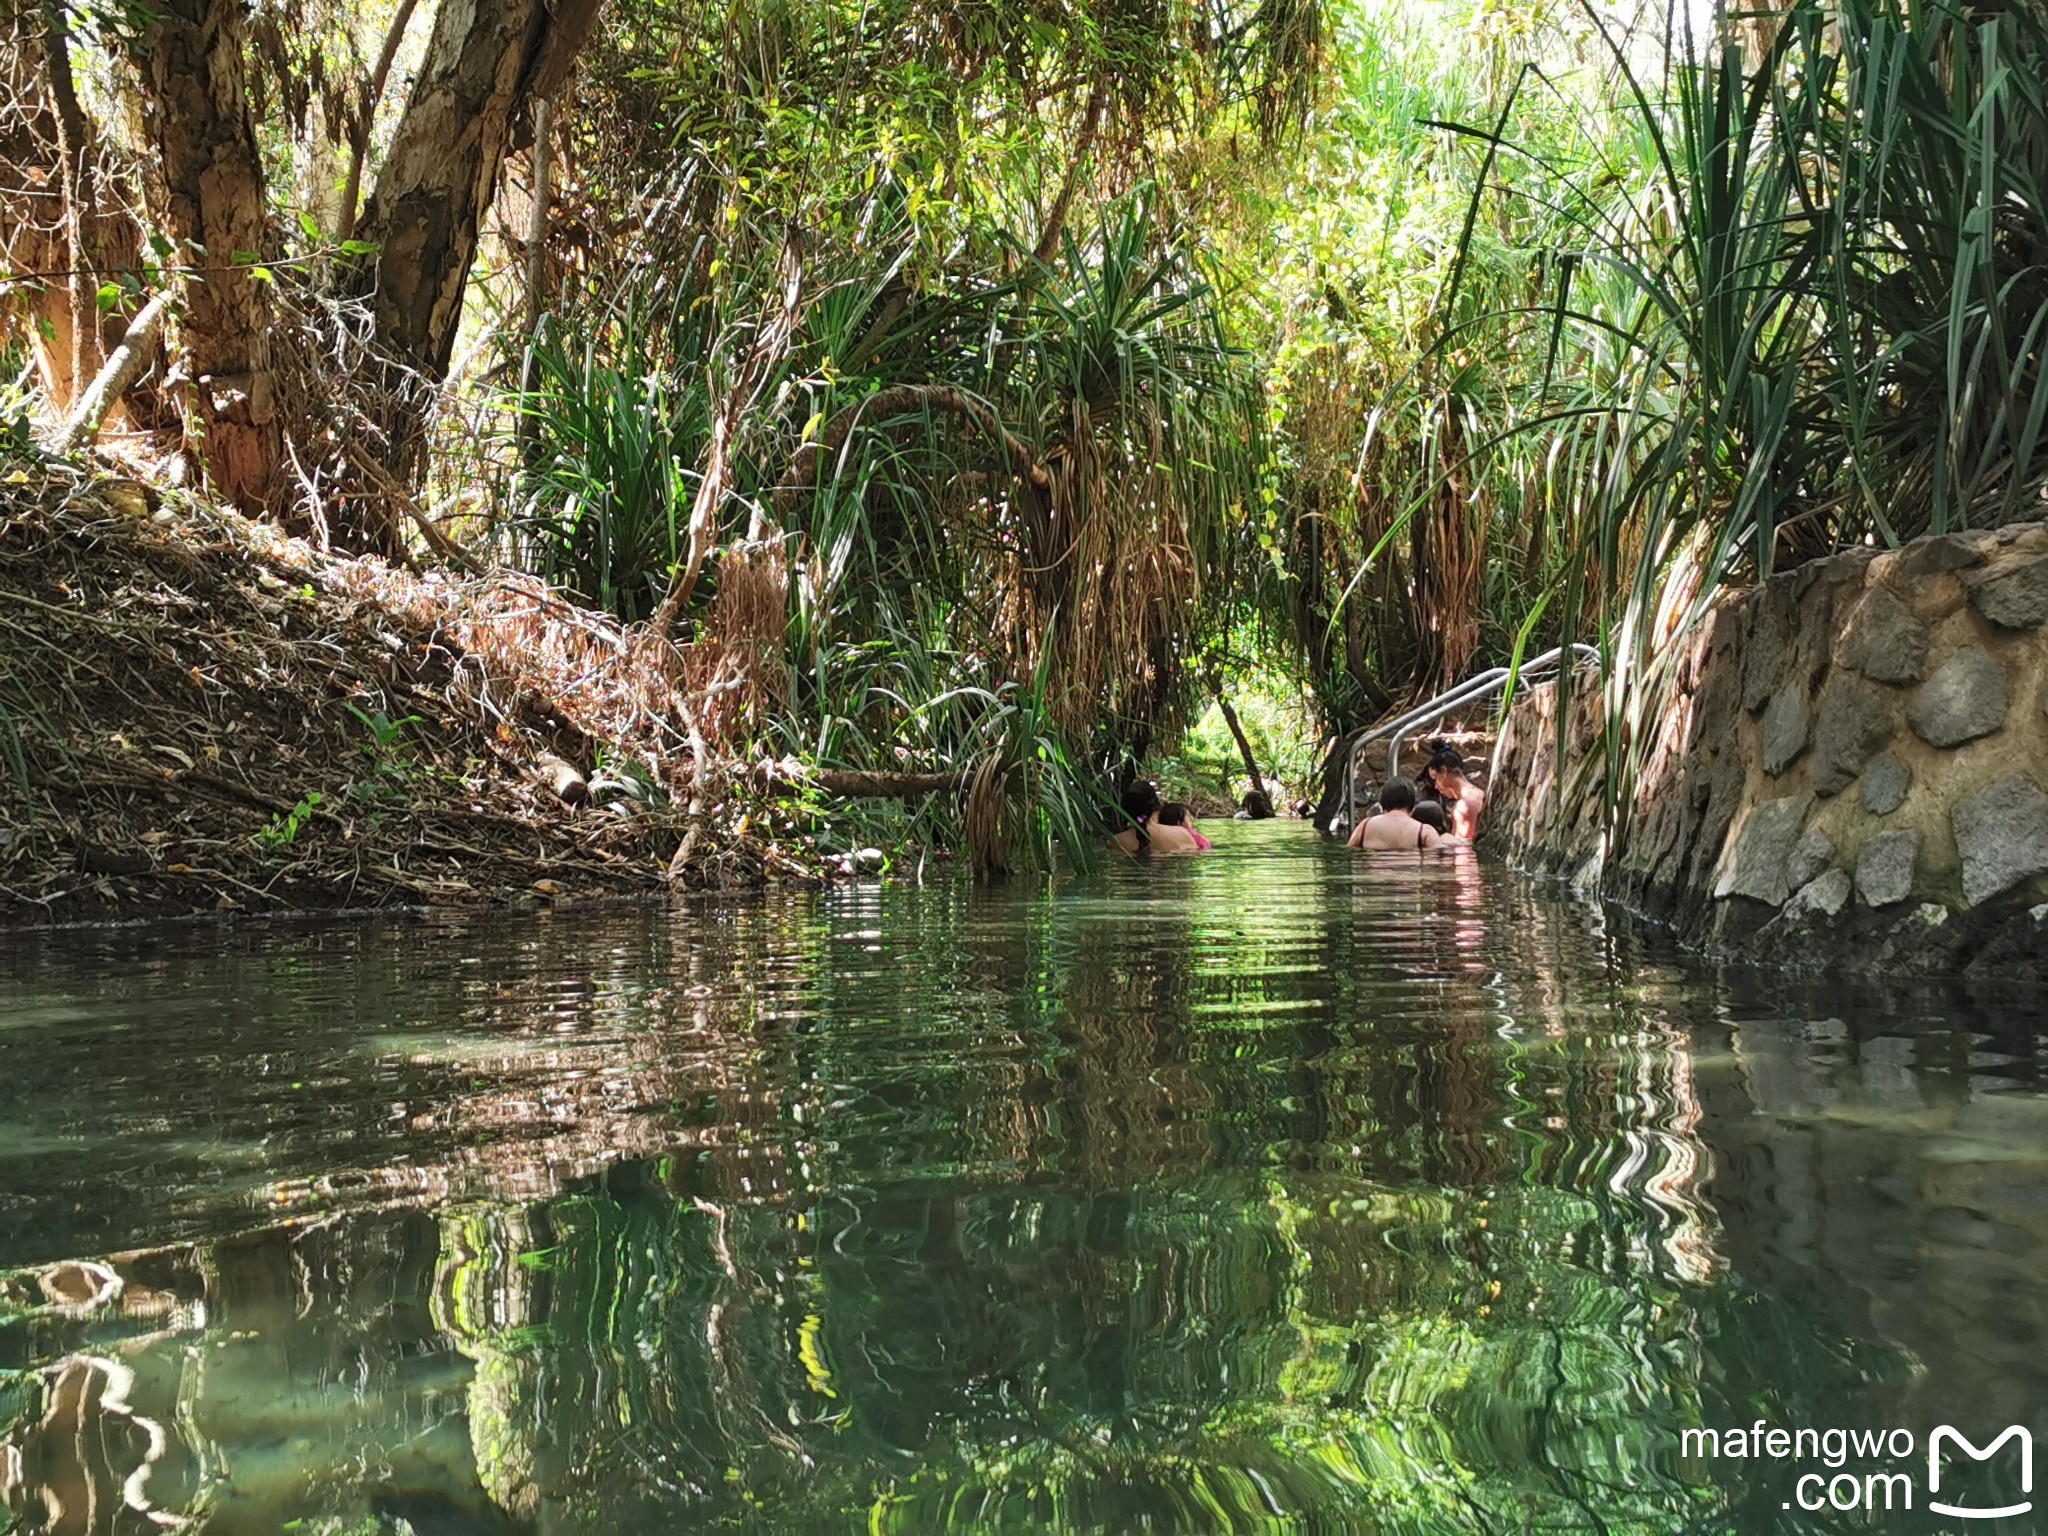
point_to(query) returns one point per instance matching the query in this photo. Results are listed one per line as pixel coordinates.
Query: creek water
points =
(1277, 1189)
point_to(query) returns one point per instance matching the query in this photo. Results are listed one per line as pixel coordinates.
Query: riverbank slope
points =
(200, 714)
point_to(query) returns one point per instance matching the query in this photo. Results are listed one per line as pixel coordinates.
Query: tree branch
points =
(1084, 144)
(122, 369)
(366, 115)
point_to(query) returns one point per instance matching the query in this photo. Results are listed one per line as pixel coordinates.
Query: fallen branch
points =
(437, 541)
(788, 778)
(115, 377)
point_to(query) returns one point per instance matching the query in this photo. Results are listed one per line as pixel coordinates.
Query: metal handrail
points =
(1435, 709)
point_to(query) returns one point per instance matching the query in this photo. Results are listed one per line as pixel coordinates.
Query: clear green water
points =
(1276, 1190)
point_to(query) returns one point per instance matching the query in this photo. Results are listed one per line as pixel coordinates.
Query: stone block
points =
(1884, 868)
(2012, 593)
(1853, 721)
(2002, 835)
(1755, 864)
(1785, 727)
(1771, 614)
(1826, 894)
(1966, 698)
(1884, 639)
(1885, 783)
(1929, 557)
(1814, 852)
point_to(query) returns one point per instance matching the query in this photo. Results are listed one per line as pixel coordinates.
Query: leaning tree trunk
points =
(485, 60)
(197, 114)
(1244, 747)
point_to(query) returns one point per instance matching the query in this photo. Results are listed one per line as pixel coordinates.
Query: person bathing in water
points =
(1443, 780)
(1431, 815)
(1395, 827)
(1175, 814)
(1141, 807)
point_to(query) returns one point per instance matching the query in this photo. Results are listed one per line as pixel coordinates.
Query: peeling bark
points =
(61, 214)
(197, 114)
(483, 60)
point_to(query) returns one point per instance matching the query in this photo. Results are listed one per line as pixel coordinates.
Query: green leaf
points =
(359, 247)
(109, 297)
(311, 226)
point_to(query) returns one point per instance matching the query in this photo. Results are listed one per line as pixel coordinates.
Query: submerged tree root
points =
(198, 713)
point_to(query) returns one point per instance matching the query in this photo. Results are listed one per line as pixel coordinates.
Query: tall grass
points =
(1790, 294)
(1830, 300)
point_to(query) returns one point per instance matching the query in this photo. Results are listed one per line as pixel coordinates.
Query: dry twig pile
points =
(199, 713)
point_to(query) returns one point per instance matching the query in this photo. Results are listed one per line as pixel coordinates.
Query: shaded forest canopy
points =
(975, 392)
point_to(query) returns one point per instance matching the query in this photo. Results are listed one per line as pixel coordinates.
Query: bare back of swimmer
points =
(1394, 828)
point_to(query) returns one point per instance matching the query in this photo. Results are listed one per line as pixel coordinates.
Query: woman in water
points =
(1146, 831)
(1174, 814)
(1443, 780)
(1394, 829)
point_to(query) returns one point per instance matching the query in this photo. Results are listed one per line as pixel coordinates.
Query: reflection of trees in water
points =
(1203, 1211)
(1053, 1265)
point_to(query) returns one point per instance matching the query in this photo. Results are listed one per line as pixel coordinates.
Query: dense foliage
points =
(982, 389)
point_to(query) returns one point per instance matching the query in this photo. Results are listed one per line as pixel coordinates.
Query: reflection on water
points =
(1278, 1189)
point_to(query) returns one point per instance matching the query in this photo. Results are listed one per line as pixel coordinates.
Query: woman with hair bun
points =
(1443, 780)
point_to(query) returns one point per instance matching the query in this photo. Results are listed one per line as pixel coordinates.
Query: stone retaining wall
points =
(1853, 769)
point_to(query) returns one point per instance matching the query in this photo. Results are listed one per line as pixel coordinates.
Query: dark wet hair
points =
(1397, 795)
(1444, 758)
(1431, 815)
(1173, 813)
(1140, 799)
(1258, 806)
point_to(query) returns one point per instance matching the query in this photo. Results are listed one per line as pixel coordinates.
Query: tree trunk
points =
(537, 222)
(75, 154)
(198, 120)
(1244, 747)
(61, 213)
(364, 118)
(32, 235)
(123, 367)
(1077, 165)
(484, 60)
